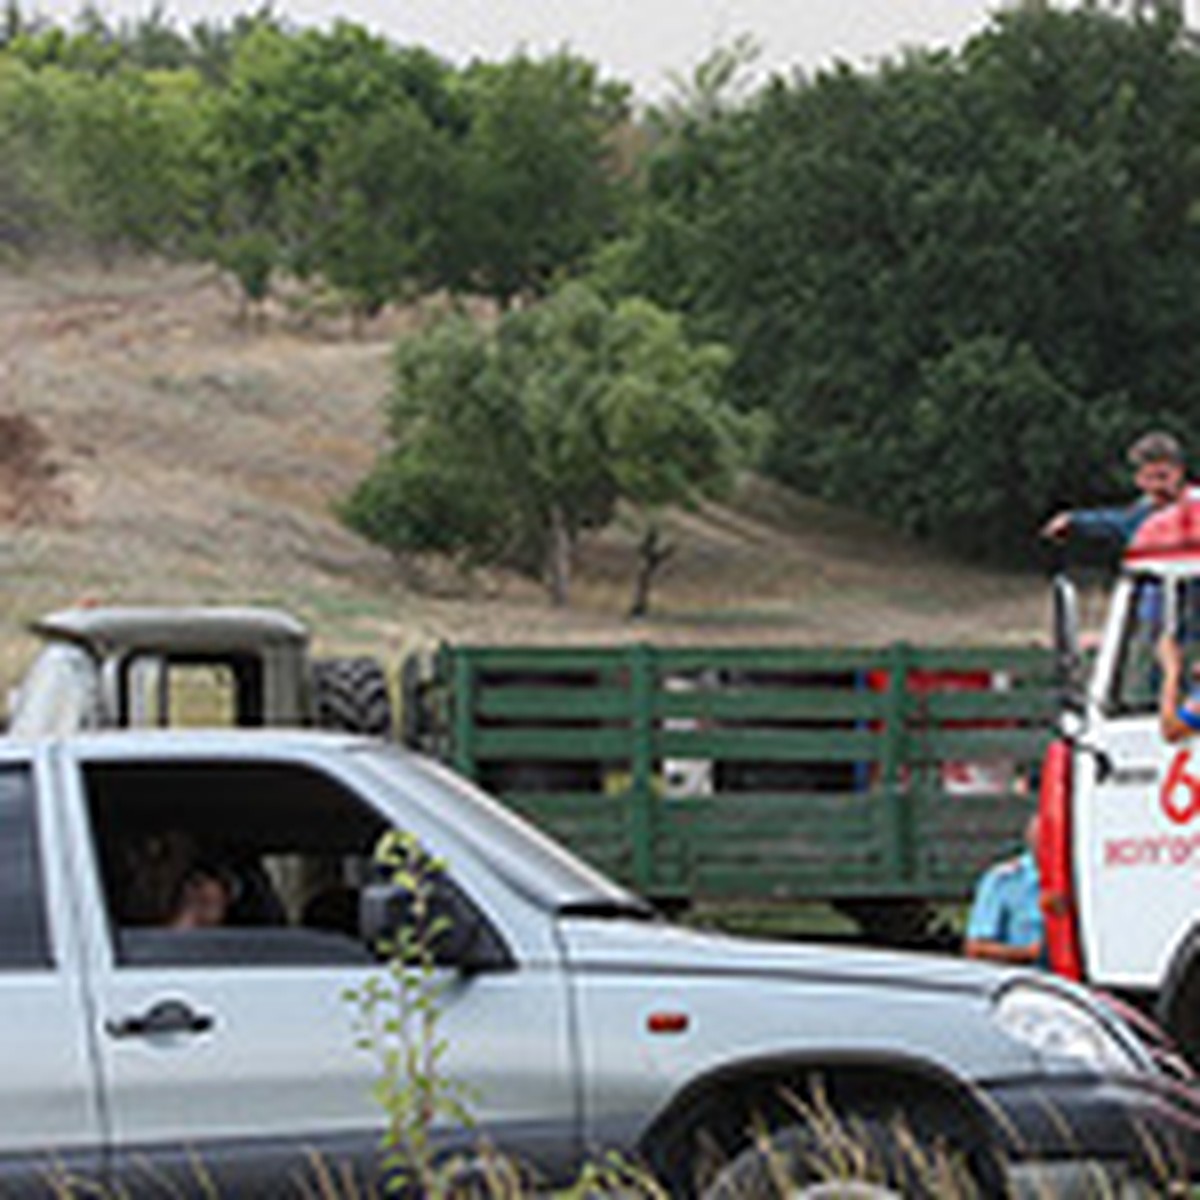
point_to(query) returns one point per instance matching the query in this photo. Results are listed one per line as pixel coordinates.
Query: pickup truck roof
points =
(187, 630)
(179, 742)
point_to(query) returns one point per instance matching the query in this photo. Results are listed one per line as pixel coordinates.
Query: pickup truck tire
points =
(351, 695)
(706, 1144)
(1178, 1008)
(854, 1159)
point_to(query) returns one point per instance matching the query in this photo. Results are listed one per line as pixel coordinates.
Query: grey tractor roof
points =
(173, 630)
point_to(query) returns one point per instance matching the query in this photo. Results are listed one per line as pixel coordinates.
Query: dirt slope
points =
(150, 450)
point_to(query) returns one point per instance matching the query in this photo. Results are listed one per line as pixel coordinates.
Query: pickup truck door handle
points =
(167, 1016)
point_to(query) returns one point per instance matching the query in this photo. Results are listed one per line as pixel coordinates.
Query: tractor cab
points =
(118, 667)
(1120, 806)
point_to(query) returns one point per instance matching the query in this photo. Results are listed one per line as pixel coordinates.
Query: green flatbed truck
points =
(879, 780)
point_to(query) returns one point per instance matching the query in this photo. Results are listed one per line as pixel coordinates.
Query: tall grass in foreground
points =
(828, 1160)
(812, 1152)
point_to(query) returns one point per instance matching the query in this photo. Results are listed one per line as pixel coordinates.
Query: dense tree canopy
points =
(957, 283)
(537, 173)
(327, 154)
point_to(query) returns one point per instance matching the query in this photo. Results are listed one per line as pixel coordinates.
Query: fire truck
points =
(1119, 804)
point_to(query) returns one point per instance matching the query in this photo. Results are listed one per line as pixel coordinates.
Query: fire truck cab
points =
(1120, 805)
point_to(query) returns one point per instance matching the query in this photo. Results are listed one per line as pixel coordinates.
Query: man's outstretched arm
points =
(1095, 524)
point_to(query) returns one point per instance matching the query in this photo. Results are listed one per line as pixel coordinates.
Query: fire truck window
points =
(1187, 623)
(1137, 679)
(1136, 684)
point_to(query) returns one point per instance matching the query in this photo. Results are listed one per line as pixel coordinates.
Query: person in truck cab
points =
(1160, 475)
(1178, 714)
(1006, 924)
(204, 899)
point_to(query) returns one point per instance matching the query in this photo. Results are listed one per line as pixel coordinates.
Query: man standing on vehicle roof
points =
(1006, 923)
(1160, 474)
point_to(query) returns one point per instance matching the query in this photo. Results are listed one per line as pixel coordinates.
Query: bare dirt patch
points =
(31, 491)
(157, 452)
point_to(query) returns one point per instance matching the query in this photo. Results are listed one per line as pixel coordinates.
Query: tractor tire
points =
(351, 695)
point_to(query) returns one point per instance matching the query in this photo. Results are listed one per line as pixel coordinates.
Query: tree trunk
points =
(652, 554)
(558, 559)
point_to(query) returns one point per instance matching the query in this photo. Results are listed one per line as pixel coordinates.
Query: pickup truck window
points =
(24, 937)
(230, 863)
(531, 862)
(1135, 685)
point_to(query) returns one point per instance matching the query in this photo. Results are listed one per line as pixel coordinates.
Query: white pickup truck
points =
(220, 1059)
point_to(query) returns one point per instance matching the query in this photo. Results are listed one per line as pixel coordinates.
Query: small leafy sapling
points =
(398, 1018)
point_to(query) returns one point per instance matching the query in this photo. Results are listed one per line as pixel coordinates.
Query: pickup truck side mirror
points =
(459, 935)
(1068, 662)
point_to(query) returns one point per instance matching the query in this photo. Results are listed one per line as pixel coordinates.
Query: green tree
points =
(376, 233)
(29, 210)
(90, 46)
(669, 435)
(279, 127)
(151, 42)
(14, 22)
(321, 153)
(985, 434)
(666, 253)
(508, 444)
(126, 157)
(539, 185)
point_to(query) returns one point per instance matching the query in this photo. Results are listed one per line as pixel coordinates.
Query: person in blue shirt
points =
(1006, 924)
(1160, 475)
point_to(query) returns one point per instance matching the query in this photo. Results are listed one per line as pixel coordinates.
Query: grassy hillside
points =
(152, 451)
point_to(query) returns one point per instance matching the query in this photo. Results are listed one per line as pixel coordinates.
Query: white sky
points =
(640, 41)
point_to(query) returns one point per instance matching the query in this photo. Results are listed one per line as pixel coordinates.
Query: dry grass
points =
(827, 1158)
(190, 460)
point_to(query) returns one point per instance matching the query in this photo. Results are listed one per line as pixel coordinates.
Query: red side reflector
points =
(1054, 863)
(667, 1022)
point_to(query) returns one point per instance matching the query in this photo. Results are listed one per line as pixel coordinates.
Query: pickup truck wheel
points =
(351, 694)
(860, 1159)
(1180, 1009)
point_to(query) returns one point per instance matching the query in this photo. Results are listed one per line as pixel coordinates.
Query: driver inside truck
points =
(203, 899)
